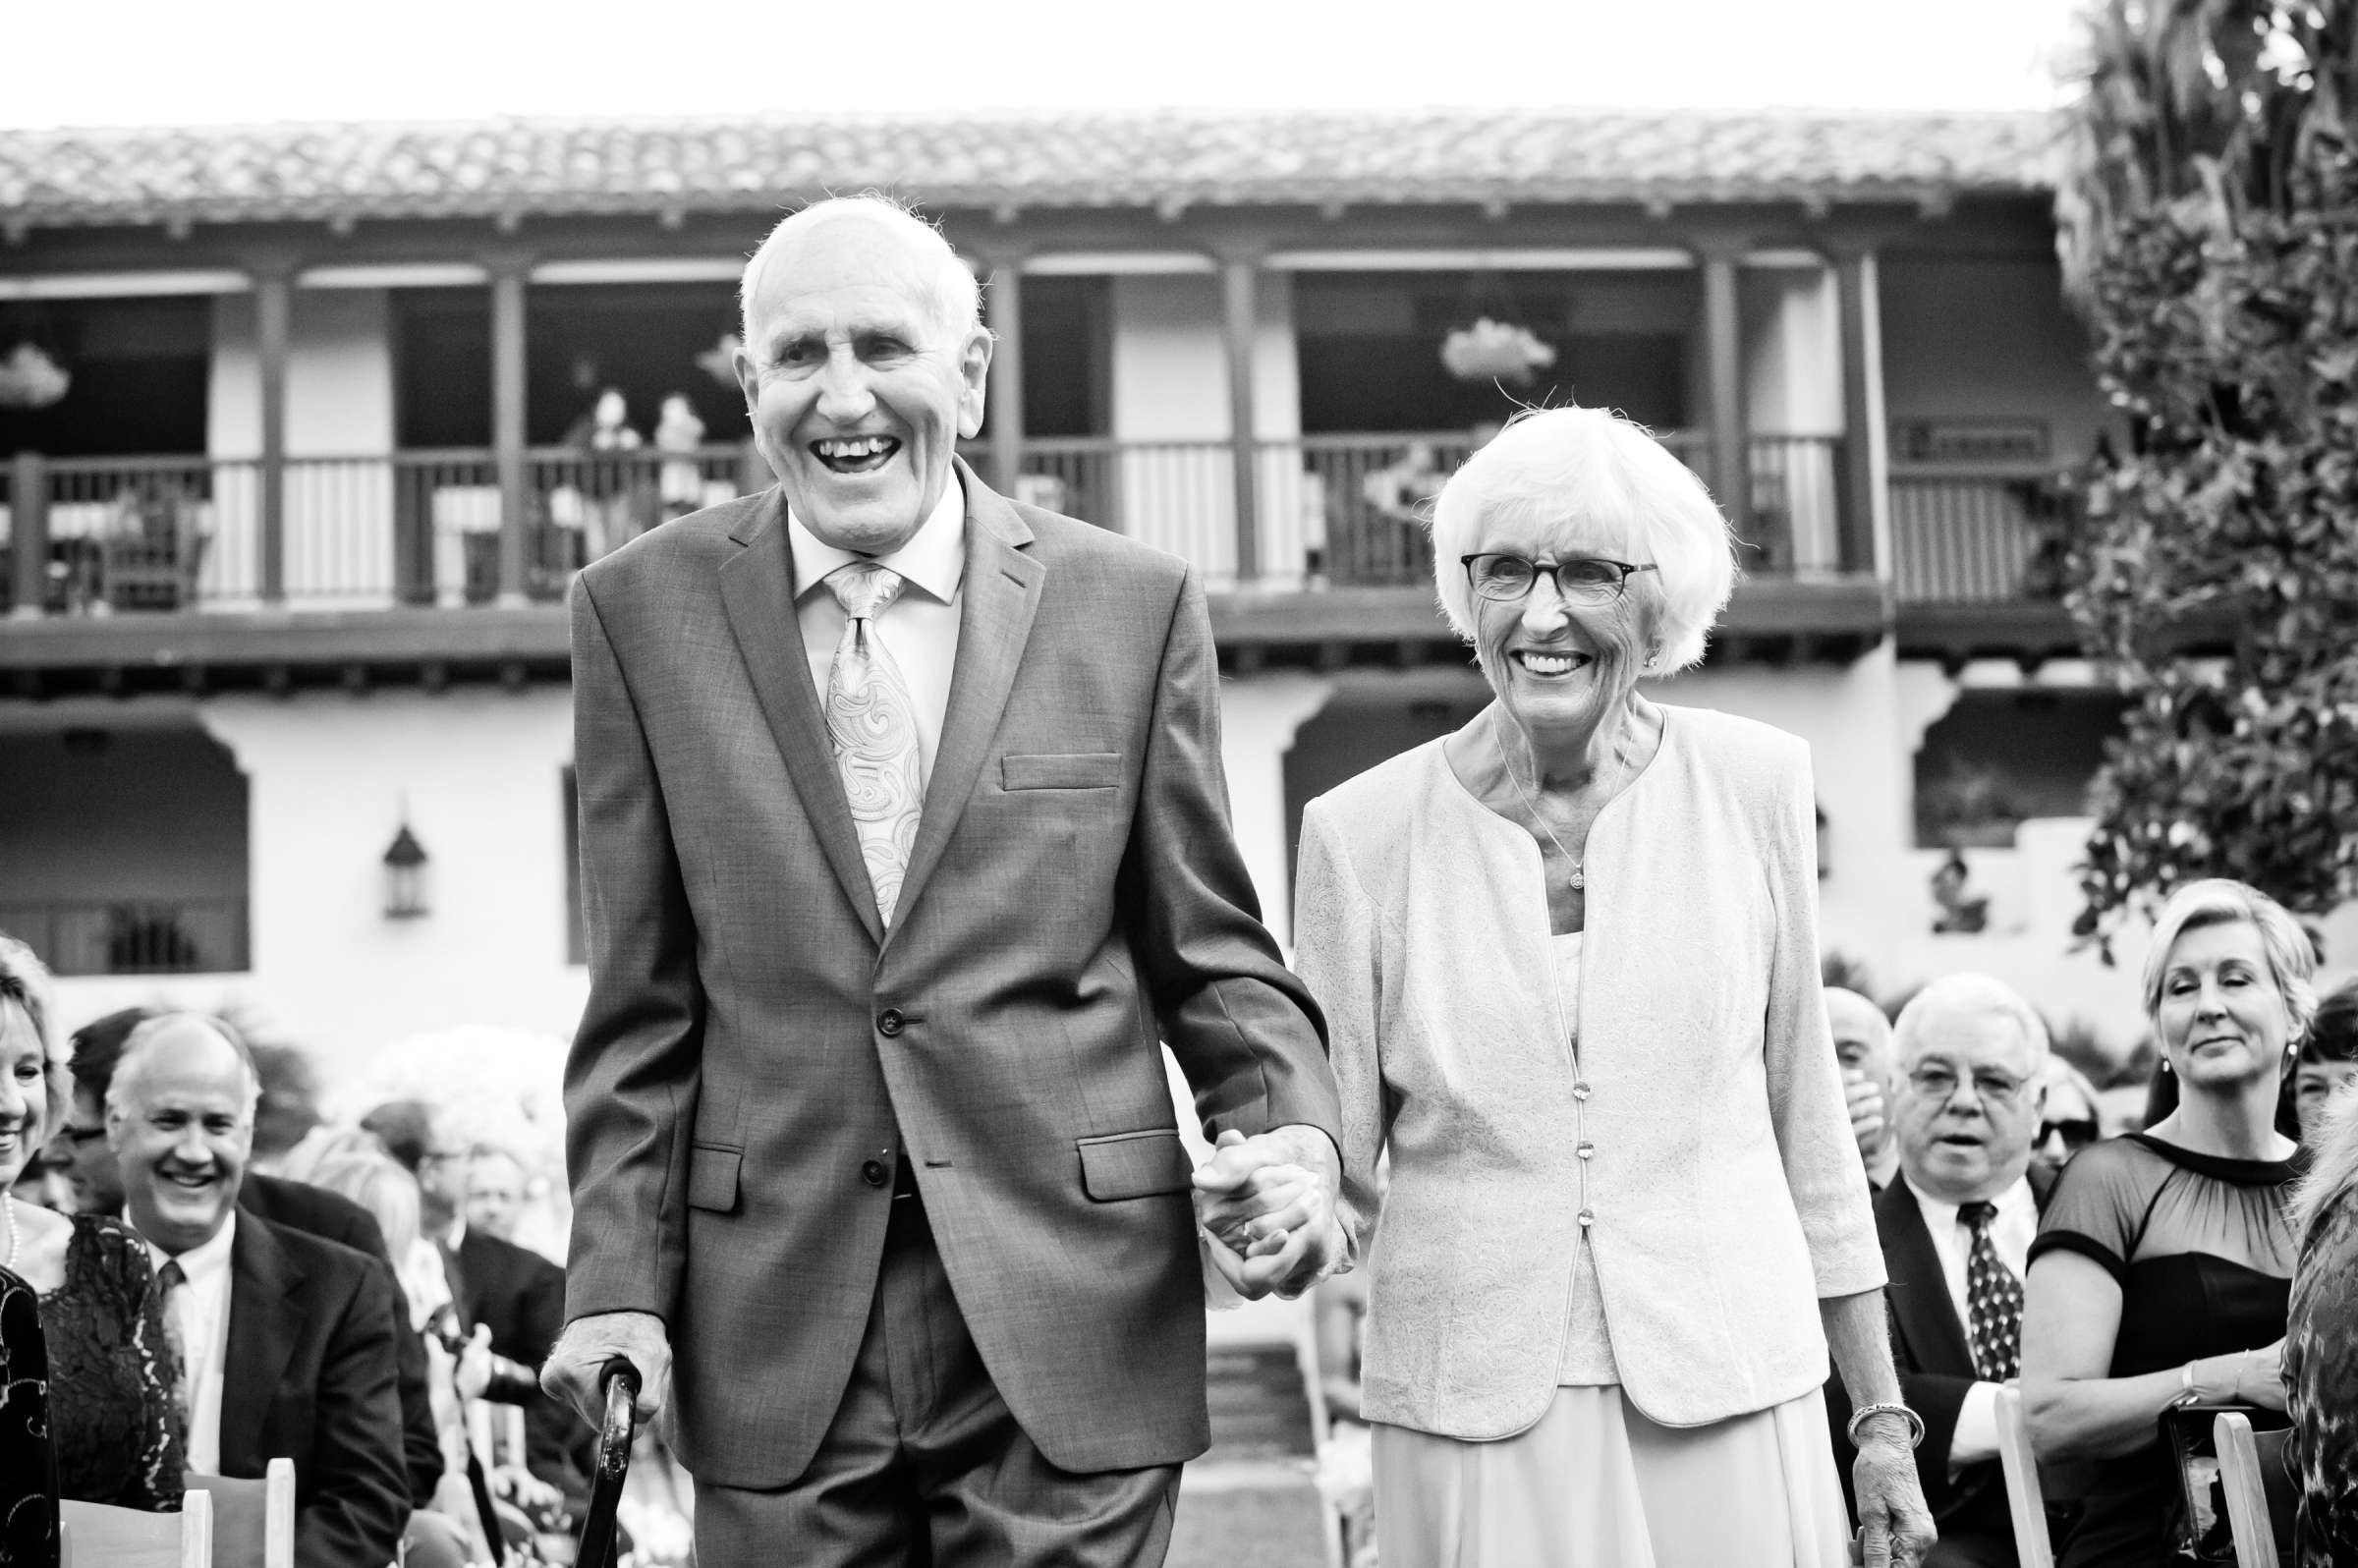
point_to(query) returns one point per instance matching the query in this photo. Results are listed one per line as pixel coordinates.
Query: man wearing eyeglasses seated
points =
(1969, 1056)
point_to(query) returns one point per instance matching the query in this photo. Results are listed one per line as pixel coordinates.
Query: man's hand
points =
(1866, 1098)
(1270, 1201)
(471, 1372)
(582, 1351)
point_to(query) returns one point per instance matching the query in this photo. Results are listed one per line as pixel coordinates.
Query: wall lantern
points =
(404, 876)
(1826, 846)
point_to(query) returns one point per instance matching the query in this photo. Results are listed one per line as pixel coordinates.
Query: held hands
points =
(570, 1374)
(1268, 1203)
(1896, 1526)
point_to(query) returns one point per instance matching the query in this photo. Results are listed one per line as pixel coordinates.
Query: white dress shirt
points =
(2010, 1233)
(919, 629)
(199, 1315)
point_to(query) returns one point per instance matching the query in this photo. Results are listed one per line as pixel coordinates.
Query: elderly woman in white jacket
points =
(1569, 959)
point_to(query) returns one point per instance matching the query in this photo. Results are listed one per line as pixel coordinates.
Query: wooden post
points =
(507, 424)
(1723, 354)
(28, 535)
(1241, 319)
(1006, 392)
(274, 323)
(1862, 456)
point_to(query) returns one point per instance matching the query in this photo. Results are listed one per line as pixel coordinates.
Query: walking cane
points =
(484, 1509)
(618, 1380)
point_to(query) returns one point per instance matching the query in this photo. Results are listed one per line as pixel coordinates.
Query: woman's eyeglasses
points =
(1580, 579)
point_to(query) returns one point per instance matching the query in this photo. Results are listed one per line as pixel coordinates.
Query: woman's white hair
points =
(957, 294)
(2219, 900)
(1553, 465)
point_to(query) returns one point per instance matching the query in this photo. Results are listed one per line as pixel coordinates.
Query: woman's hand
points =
(472, 1375)
(1898, 1525)
(2257, 1376)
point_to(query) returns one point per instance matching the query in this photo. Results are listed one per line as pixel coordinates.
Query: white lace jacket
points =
(1723, 1189)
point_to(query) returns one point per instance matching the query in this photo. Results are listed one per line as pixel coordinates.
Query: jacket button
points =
(875, 1174)
(1587, 1217)
(1586, 1151)
(1580, 1090)
(889, 1021)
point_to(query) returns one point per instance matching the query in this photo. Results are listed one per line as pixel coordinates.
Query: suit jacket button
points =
(875, 1174)
(889, 1021)
(1587, 1217)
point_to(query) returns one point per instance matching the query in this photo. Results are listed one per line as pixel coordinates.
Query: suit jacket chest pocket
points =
(1061, 771)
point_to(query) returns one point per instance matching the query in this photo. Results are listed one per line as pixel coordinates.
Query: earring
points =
(2166, 1067)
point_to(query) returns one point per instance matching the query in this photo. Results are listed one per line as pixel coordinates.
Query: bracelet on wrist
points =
(1860, 1416)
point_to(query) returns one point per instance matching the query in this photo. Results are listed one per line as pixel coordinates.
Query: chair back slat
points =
(2247, 1494)
(102, 1535)
(2026, 1505)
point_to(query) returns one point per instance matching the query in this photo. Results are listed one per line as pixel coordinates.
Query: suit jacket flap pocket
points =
(1133, 1164)
(712, 1177)
(1062, 770)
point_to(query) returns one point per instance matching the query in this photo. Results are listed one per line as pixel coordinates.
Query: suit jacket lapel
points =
(756, 589)
(263, 1327)
(999, 597)
(1927, 1317)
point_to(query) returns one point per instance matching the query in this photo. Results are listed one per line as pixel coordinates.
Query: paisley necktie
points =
(871, 723)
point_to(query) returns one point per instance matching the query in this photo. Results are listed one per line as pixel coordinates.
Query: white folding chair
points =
(254, 1521)
(103, 1536)
(2025, 1504)
(2247, 1494)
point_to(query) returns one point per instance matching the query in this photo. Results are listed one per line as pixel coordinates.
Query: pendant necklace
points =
(7, 1207)
(1580, 880)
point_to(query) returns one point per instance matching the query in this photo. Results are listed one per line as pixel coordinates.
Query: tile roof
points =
(1024, 159)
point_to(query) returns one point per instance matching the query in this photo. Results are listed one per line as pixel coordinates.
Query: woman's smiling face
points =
(1558, 667)
(2222, 1018)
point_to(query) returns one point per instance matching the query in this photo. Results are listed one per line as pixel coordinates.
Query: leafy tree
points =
(2209, 219)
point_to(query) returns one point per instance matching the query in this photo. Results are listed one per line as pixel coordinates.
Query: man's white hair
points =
(957, 295)
(1556, 465)
(1968, 992)
(144, 1045)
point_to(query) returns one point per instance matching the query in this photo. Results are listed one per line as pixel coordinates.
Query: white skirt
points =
(1596, 1484)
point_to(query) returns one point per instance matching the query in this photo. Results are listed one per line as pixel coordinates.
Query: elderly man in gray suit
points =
(904, 840)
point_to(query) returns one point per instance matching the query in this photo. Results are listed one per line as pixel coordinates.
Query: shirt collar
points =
(933, 561)
(205, 1262)
(2015, 1200)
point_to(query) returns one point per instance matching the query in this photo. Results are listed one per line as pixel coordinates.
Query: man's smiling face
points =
(857, 382)
(180, 1120)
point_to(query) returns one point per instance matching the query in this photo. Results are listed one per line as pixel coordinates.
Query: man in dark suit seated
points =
(286, 1341)
(1956, 1225)
(511, 1290)
(81, 1152)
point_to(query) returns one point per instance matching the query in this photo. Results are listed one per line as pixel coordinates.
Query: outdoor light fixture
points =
(404, 876)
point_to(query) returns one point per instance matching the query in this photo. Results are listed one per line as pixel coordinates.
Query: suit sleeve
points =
(1823, 1171)
(632, 1079)
(355, 1499)
(1243, 1027)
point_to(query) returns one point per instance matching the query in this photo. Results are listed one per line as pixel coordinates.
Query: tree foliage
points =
(2209, 219)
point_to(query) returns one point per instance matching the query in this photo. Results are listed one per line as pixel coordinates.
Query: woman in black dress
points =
(2321, 1341)
(2162, 1268)
(111, 1369)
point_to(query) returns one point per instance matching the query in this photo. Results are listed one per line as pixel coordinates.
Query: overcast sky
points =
(140, 62)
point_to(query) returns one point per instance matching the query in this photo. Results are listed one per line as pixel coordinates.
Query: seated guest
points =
(1863, 1046)
(2072, 1119)
(2329, 1057)
(2321, 1340)
(89, 1166)
(1956, 1225)
(286, 1340)
(495, 1191)
(2161, 1271)
(110, 1358)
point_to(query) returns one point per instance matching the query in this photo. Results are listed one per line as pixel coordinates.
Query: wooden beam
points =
(273, 325)
(1860, 490)
(1006, 307)
(1240, 327)
(28, 500)
(1724, 358)
(508, 423)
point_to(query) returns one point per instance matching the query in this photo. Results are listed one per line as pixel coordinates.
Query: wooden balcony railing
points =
(133, 936)
(1975, 536)
(426, 528)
